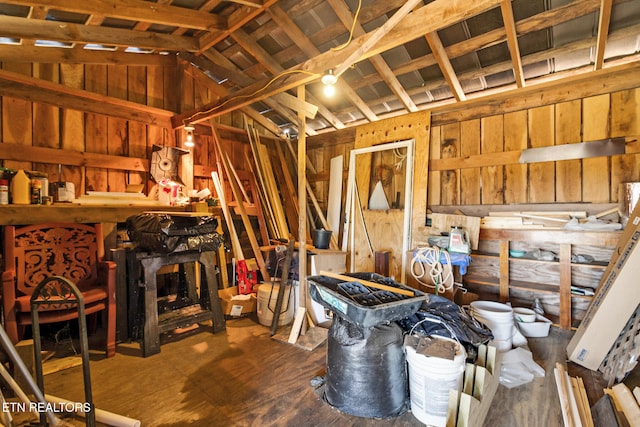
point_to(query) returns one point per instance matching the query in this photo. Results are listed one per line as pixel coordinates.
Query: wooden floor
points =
(245, 378)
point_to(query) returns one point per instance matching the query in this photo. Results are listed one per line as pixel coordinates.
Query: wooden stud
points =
(257, 254)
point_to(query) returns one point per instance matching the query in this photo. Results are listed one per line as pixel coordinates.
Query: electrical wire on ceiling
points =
(353, 26)
(249, 95)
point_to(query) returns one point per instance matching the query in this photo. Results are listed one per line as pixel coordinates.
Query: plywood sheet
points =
(384, 229)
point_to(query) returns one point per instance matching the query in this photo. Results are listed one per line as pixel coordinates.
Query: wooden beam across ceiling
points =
(36, 90)
(134, 10)
(76, 33)
(538, 22)
(439, 53)
(383, 69)
(47, 55)
(431, 17)
(263, 57)
(512, 41)
(603, 32)
(234, 22)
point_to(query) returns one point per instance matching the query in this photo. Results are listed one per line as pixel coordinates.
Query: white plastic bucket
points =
(267, 304)
(430, 379)
(499, 318)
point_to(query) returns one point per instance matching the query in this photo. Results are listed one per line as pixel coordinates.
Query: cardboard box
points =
(615, 301)
(236, 307)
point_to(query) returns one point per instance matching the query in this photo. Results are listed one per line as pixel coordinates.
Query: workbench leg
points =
(151, 334)
(122, 324)
(207, 260)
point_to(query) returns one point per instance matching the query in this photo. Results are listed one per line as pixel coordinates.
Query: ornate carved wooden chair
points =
(74, 251)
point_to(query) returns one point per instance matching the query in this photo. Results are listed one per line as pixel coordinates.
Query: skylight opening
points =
(51, 43)
(92, 46)
(138, 50)
(9, 40)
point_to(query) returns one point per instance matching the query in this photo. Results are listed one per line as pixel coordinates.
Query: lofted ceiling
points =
(396, 57)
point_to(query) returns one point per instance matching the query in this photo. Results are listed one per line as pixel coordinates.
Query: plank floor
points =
(245, 378)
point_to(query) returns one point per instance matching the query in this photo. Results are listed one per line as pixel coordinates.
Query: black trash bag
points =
(166, 234)
(441, 316)
(366, 370)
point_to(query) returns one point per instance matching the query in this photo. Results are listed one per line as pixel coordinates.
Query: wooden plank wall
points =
(474, 146)
(172, 88)
(42, 125)
(594, 180)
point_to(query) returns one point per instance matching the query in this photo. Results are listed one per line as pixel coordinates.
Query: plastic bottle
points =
(21, 188)
(4, 192)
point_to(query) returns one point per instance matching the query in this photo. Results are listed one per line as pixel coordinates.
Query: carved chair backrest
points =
(56, 249)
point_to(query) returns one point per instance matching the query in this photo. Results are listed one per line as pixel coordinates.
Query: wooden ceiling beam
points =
(438, 51)
(21, 53)
(306, 45)
(534, 23)
(134, 10)
(383, 69)
(603, 32)
(435, 15)
(11, 26)
(512, 41)
(199, 76)
(263, 57)
(235, 21)
(528, 59)
(375, 36)
(36, 90)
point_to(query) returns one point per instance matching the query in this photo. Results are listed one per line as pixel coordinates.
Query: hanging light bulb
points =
(329, 80)
(189, 141)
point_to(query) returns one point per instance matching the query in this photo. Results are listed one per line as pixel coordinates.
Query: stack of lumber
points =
(469, 407)
(530, 219)
(576, 411)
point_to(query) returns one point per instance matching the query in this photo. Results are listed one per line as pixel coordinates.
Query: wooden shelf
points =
(598, 265)
(536, 275)
(69, 212)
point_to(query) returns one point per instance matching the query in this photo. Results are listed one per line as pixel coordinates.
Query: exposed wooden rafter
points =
(383, 69)
(234, 22)
(603, 32)
(75, 33)
(430, 17)
(529, 25)
(448, 72)
(134, 10)
(512, 41)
